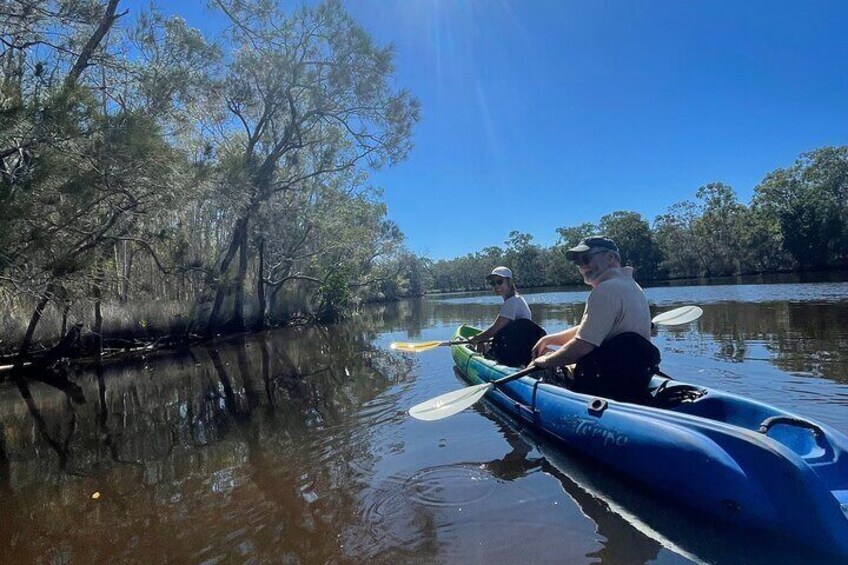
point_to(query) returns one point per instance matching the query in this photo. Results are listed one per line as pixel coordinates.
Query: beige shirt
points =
(615, 306)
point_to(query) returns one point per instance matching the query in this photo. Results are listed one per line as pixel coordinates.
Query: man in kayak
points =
(611, 346)
(513, 332)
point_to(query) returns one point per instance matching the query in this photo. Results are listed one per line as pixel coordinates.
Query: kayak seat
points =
(720, 409)
(802, 442)
(665, 396)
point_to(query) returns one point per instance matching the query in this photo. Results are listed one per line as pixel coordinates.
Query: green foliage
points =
(164, 166)
(161, 167)
(808, 204)
(334, 296)
(525, 258)
(635, 241)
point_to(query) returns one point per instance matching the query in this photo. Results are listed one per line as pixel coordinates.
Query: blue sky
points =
(538, 114)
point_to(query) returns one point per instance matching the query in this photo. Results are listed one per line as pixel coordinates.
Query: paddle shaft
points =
(514, 376)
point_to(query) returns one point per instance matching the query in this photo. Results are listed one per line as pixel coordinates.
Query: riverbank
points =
(784, 277)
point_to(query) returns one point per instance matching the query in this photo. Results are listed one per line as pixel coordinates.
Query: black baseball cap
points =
(593, 242)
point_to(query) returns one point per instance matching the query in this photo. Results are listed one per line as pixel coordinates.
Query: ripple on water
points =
(396, 507)
(429, 512)
(449, 485)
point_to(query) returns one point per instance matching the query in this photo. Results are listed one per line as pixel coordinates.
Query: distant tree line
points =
(797, 220)
(154, 176)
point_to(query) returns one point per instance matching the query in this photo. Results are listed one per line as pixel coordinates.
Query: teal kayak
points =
(738, 460)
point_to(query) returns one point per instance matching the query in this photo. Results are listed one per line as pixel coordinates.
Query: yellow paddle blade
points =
(415, 347)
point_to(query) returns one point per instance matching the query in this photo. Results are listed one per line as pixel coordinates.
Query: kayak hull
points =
(697, 446)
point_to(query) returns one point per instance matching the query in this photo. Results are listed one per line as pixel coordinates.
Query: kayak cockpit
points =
(803, 437)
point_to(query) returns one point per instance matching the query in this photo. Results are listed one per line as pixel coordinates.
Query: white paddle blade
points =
(682, 315)
(450, 403)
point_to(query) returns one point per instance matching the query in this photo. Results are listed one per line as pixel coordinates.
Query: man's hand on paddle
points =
(541, 346)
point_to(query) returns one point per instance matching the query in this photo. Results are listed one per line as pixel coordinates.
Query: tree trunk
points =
(91, 45)
(33, 323)
(65, 311)
(223, 286)
(97, 293)
(241, 275)
(126, 270)
(260, 285)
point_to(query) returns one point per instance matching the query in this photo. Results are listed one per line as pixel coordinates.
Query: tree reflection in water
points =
(249, 441)
(294, 445)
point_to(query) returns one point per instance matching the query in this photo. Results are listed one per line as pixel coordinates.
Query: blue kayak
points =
(738, 460)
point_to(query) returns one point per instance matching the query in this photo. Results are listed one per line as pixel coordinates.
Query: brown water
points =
(294, 446)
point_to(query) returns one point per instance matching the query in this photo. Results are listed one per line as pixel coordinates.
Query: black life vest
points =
(513, 344)
(620, 369)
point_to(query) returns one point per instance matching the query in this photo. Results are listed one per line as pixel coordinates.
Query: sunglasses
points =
(586, 258)
(496, 282)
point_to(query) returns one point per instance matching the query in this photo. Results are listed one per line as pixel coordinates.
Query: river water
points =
(294, 445)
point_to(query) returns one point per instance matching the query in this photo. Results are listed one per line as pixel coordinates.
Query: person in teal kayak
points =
(611, 345)
(513, 332)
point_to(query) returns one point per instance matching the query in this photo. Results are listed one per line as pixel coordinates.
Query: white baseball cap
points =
(504, 272)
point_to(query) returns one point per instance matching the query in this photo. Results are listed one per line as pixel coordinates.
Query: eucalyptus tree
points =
(526, 259)
(415, 276)
(304, 95)
(722, 229)
(50, 120)
(674, 231)
(310, 236)
(89, 157)
(571, 235)
(164, 68)
(807, 203)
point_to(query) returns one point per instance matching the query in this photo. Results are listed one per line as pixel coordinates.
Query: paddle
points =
(450, 403)
(423, 346)
(682, 315)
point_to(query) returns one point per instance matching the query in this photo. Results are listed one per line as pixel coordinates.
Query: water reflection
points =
(295, 446)
(212, 453)
(620, 541)
(633, 526)
(800, 329)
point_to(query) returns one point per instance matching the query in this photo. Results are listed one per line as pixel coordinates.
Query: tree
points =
(635, 241)
(675, 236)
(305, 96)
(809, 203)
(721, 229)
(525, 259)
(57, 210)
(571, 236)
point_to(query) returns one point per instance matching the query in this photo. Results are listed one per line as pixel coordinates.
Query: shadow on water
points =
(242, 449)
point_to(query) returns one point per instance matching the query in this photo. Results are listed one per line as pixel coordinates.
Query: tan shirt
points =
(615, 306)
